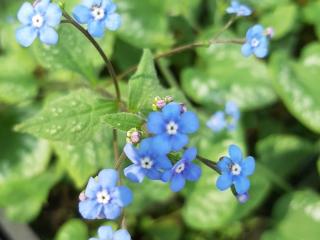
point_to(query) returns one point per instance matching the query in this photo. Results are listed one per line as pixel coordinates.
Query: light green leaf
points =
(282, 19)
(84, 160)
(298, 88)
(302, 209)
(69, 53)
(285, 152)
(311, 12)
(23, 198)
(247, 82)
(144, 24)
(74, 229)
(21, 155)
(123, 121)
(74, 118)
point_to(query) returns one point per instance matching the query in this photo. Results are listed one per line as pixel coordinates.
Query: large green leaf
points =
(145, 24)
(73, 229)
(297, 216)
(285, 152)
(224, 74)
(21, 155)
(297, 85)
(70, 52)
(74, 118)
(84, 160)
(123, 121)
(282, 19)
(23, 198)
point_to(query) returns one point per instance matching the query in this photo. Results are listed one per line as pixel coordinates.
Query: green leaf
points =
(165, 228)
(276, 150)
(311, 13)
(16, 83)
(82, 161)
(144, 24)
(21, 155)
(247, 82)
(298, 88)
(23, 198)
(123, 121)
(300, 208)
(73, 229)
(69, 53)
(282, 19)
(74, 118)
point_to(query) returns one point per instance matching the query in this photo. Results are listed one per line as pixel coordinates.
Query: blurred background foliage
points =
(40, 178)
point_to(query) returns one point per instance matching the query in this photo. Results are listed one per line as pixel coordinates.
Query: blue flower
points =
(183, 170)
(99, 15)
(239, 9)
(257, 42)
(235, 170)
(172, 125)
(148, 160)
(106, 233)
(38, 21)
(227, 119)
(103, 198)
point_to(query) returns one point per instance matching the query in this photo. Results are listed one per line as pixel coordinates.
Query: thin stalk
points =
(209, 163)
(229, 23)
(163, 66)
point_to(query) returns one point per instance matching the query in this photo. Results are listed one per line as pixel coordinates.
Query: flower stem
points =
(184, 48)
(209, 163)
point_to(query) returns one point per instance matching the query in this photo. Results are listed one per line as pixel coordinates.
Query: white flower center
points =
(146, 163)
(255, 42)
(235, 169)
(97, 13)
(37, 21)
(172, 128)
(103, 197)
(180, 168)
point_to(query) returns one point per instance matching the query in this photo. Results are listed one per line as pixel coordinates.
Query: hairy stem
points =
(209, 163)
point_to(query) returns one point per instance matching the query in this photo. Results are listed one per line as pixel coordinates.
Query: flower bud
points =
(243, 198)
(133, 136)
(168, 99)
(158, 104)
(183, 108)
(82, 196)
(269, 32)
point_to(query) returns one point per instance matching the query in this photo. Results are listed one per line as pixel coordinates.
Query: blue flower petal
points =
(235, 153)
(53, 15)
(153, 174)
(217, 122)
(26, 13)
(121, 235)
(113, 21)
(164, 162)
(177, 183)
(81, 13)
(48, 35)
(105, 232)
(241, 184)
(188, 123)
(171, 112)
(26, 35)
(246, 50)
(109, 6)
(145, 147)
(166, 176)
(131, 153)
(161, 144)
(190, 154)
(224, 164)
(224, 181)
(257, 29)
(96, 28)
(192, 173)
(108, 178)
(41, 6)
(134, 173)
(248, 166)
(112, 211)
(91, 3)
(122, 196)
(261, 52)
(178, 141)
(92, 188)
(156, 123)
(90, 209)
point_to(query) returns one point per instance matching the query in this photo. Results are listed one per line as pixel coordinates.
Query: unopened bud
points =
(168, 99)
(158, 104)
(269, 32)
(183, 108)
(133, 136)
(82, 196)
(243, 198)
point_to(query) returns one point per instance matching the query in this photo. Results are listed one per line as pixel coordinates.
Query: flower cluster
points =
(169, 128)
(227, 119)
(106, 233)
(234, 171)
(239, 9)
